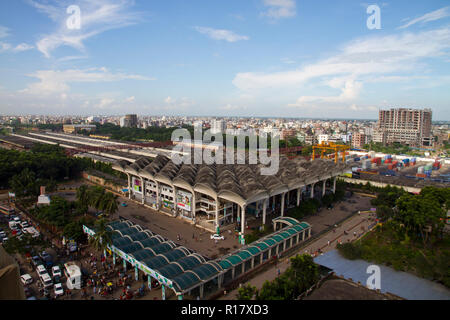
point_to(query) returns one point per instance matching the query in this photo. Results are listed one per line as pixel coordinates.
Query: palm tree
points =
(102, 237)
(83, 195)
(110, 204)
(96, 195)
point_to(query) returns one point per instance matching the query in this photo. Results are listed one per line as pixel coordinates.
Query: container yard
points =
(400, 170)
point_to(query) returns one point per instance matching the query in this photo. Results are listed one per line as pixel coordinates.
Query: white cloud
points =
(350, 90)
(233, 107)
(130, 99)
(174, 103)
(23, 47)
(287, 61)
(4, 46)
(105, 103)
(4, 32)
(367, 57)
(405, 57)
(219, 34)
(7, 47)
(278, 9)
(96, 17)
(53, 81)
(431, 16)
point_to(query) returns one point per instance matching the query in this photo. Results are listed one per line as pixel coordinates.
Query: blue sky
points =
(287, 58)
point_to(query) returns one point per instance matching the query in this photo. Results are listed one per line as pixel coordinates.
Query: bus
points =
(7, 210)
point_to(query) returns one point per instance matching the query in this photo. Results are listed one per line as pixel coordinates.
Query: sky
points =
(261, 58)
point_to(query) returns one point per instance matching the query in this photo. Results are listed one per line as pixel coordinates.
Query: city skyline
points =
(283, 59)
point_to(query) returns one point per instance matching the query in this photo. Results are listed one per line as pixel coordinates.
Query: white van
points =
(32, 231)
(46, 281)
(12, 224)
(73, 275)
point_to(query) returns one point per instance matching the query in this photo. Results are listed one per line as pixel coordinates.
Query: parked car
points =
(124, 204)
(56, 271)
(24, 225)
(59, 290)
(40, 269)
(26, 279)
(3, 240)
(45, 256)
(217, 237)
(48, 260)
(46, 281)
(35, 261)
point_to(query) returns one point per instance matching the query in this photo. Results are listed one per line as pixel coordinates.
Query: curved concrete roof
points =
(240, 183)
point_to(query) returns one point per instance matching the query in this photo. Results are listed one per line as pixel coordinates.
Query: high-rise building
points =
(407, 126)
(129, 121)
(218, 126)
(358, 140)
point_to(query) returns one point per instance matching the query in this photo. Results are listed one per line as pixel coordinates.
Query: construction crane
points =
(330, 146)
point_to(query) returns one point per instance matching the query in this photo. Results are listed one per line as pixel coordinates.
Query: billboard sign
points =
(184, 200)
(137, 185)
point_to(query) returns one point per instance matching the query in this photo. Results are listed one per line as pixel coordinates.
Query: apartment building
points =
(407, 126)
(358, 140)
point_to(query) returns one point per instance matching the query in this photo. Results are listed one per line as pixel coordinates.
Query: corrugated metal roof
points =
(234, 260)
(186, 280)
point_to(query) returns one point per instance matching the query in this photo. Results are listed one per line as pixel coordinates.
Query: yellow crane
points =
(330, 146)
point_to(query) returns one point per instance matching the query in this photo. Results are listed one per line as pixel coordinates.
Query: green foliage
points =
(103, 236)
(57, 214)
(350, 251)
(395, 148)
(300, 276)
(307, 150)
(97, 197)
(393, 246)
(24, 245)
(46, 163)
(426, 210)
(246, 292)
(387, 196)
(152, 133)
(74, 229)
(257, 234)
(307, 207)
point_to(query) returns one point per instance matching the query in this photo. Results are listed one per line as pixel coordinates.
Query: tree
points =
(23, 184)
(306, 272)
(96, 196)
(74, 229)
(299, 277)
(419, 213)
(102, 237)
(83, 195)
(246, 292)
(110, 204)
